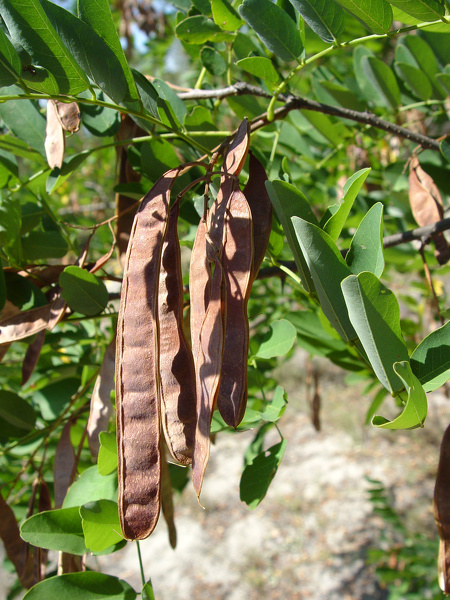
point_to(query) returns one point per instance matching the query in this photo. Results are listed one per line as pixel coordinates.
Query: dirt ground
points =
(309, 537)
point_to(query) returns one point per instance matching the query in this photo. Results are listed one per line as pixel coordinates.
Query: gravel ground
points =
(308, 539)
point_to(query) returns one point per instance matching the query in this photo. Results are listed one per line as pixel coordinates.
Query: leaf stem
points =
(141, 566)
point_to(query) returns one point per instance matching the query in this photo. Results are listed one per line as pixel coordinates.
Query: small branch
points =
(420, 233)
(298, 103)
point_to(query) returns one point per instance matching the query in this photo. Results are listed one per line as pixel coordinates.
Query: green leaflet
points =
(107, 454)
(274, 27)
(30, 26)
(430, 361)
(374, 313)
(199, 29)
(82, 586)
(101, 524)
(97, 14)
(260, 67)
(414, 79)
(225, 16)
(424, 10)
(325, 17)
(213, 61)
(58, 529)
(416, 407)
(90, 51)
(10, 65)
(288, 202)
(337, 221)
(54, 397)
(376, 14)
(328, 269)
(83, 291)
(366, 248)
(25, 121)
(276, 408)
(382, 78)
(17, 416)
(44, 244)
(257, 476)
(91, 486)
(279, 341)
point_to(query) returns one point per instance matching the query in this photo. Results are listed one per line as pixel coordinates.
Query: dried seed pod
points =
(167, 499)
(54, 137)
(208, 364)
(176, 364)
(137, 366)
(441, 507)
(199, 285)
(237, 262)
(261, 207)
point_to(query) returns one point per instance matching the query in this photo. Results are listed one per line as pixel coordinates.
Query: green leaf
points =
(366, 248)
(279, 341)
(444, 147)
(374, 312)
(328, 269)
(82, 586)
(276, 408)
(107, 455)
(333, 132)
(54, 397)
(83, 291)
(97, 14)
(260, 67)
(325, 17)
(416, 407)
(147, 592)
(2, 289)
(430, 361)
(337, 221)
(44, 244)
(288, 202)
(424, 10)
(23, 118)
(415, 51)
(58, 529)
(382, 78)
(170, 98)
(375, 14)
(91, 486)
(10, 65)
(17, 147)
(414, 79)
(17, 417)
(30, 26)
(101, 524)
(258, 475)
(203, 6)
(99, 120)
(213, 61)
(22, 292)
(147, 92)
(199, 29)
(330, 92)
(274, 27)
(93, 55)
(225, 16)
(10, 228)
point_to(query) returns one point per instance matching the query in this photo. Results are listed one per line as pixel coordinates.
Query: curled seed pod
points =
(441, 507)
(199, 285)
(207, 370)
(237, 262)
(176, 364)
(261, 207)
(137, 366)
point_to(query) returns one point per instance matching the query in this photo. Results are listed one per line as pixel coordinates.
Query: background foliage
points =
(340, 97)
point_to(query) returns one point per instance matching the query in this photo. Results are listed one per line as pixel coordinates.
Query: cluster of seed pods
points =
(167, 387)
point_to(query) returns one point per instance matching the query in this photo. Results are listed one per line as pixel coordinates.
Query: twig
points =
(298, 103)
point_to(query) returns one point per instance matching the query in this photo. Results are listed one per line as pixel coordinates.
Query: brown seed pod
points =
(199, 285)
(137, 366)
(176, 364)
(207, 369)
(237, 262)
(441, 507)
